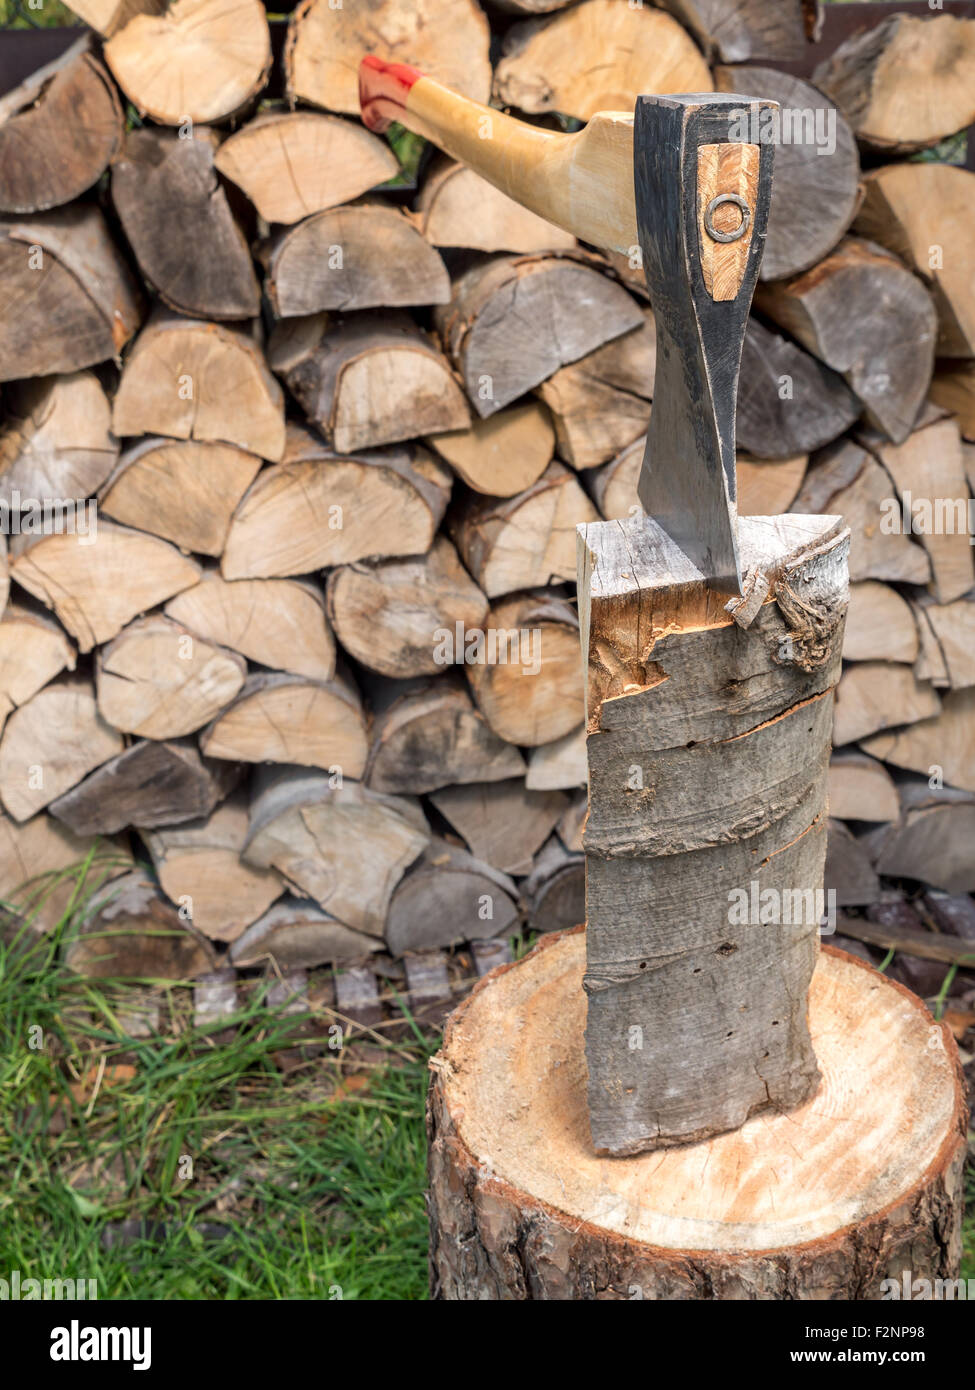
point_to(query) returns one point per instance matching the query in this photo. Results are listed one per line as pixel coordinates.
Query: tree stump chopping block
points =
(861, 1184)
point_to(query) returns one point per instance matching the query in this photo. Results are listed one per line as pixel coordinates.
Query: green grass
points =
(240, 1179)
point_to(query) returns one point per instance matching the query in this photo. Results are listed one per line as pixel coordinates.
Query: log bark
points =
(67, 298)
(922, 212)
(294, 935)
(815, 188)
(208, 381)
(504, 454)
(456, 207)
(449, 896)
(906, 82)
(524, 674)
(433, 736)
(601, 403)
(321, 508)
(879, 625)
(389, 614)
(943, 746)
(341, 845)
(57, 438)
(687, 786)
(148, 785)
(860, 788)
(536, 1215)
(875, 695)
(502, 823)
(861, 313)
(279, 623)
(50, 743)
(360, 257)
(59, 131)
(177, 219)
(788, 402)
(283, 718)
(99, 582)
(548, 64)
(199, 60)
(372, 379)
(182, 490)
(526, 541)
(445, 39)
(129, 930)
(291, 164)
(738, 30)
(565, 310)
(158, 680)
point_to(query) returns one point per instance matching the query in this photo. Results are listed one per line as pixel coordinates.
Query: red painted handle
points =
(383, 90)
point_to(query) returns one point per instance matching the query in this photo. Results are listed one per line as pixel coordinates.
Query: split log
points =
(942, 747)
(952, 633)
(565, 1223)
(572, 822)
(445, 39)
(526, 541)
(868, 318)
(930, 843)
(375, 378)
(565, 309)
(59, 131)
(291, 164)
(849, 878)
(343, 846)
(788, 402)
(318, 508)
(99, 582)
(735, 31)
(199, 868)
(548, 65)
(357, 999)
(524, 671)
(504, 454)
(283, 718)
(45, 870)
(923, 213)
(926, 945)
(429, 997)
(432, 736)
(33, 650)
(875, 695)
(390, 614)
(860, 788)
(932, 501)
(815, 189)
(192, 380)
(294, 935)
(559, 765)
(555, 891)
(68, 299)
(279, 623)
(199, 60)
(502, 823)
(930, 663)
(108, 16)
(357, 257)
(953, 387)
(182, 490)
(845, 478)
(148, 785)
(879, 625)
(158, 680)
(601, 403)
(57, 438)
(449, 896)
(177, 219)
(130, 930)
(954, 913)
(456, 207)
(50, 743)
(736, 789)
(906, 82)
(490, 953)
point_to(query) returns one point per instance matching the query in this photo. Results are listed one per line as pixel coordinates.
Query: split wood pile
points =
(310, 691)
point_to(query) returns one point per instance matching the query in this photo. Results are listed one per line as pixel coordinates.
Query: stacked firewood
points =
(292, 456)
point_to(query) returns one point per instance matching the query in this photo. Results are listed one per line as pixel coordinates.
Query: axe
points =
(679, 181)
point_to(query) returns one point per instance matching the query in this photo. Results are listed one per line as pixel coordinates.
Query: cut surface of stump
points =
(597, 56)
(787, 1207)
(57, 437)
(295, 163)
(200, 60)
(59, 130)
(456, 207)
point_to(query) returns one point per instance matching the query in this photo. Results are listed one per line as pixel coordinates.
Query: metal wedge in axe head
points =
(680, 179)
